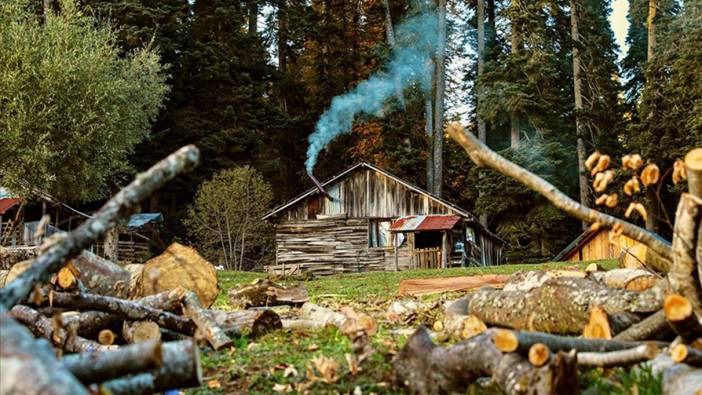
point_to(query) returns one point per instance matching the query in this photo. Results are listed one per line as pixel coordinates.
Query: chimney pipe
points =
(320, 187)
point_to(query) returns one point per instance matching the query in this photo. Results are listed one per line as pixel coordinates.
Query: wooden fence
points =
(428, 258)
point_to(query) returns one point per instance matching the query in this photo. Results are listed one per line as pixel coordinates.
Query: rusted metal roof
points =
(6, 204)
(420, 223)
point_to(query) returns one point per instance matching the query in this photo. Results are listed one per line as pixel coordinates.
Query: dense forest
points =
(540, 81)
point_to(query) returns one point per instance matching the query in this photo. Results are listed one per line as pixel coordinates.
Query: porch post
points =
(444, 250)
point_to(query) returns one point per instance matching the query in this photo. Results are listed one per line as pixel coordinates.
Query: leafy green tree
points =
(225, 219)
(71, 109)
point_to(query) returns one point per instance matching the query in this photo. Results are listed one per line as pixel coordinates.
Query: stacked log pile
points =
(74, 323)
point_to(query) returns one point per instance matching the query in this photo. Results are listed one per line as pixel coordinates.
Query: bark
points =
(250, 322)
(677, 378)
(560, 305)
(9, 256)
(644, 352)
(389, 31)
(266, 293)
(205, 323)
(654, 326)
(123, 308)
(61, 337)
(516, 44)
(136, 271)
(693, 167)
(429, 369)
(99, 366)
(140, 331)
(429, 128)
(440, 81)
(683, 274)
(111, 245)
(482, 131)
(253, 17)
(681, 317)
(484, 156)
(29, 365)
(685, 354)
(519, 341)
(651, 25)
(322, 315)
(629, 279)
(102, 277)
(180, 369)
(121, 206)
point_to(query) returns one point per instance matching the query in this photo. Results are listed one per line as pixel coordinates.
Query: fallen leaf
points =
(214, 384)
(290, 371)
(326, 367)
(280, 388)
(352, 361)
(313, 347)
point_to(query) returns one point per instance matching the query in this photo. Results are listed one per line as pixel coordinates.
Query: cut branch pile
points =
(67, 301)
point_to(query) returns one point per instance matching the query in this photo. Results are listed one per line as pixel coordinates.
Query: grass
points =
(257, 366)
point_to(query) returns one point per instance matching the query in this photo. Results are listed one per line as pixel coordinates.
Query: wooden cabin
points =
(366, 219)
(599, 244)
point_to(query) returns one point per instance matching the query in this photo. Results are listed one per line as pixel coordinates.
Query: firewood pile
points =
(74, 323)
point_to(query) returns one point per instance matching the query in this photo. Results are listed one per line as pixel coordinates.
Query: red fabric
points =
(6, 204)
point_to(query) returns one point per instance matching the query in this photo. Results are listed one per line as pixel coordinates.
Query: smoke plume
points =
(410, 64)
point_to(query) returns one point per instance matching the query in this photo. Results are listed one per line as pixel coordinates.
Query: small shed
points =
(599, 244)
(366, 219)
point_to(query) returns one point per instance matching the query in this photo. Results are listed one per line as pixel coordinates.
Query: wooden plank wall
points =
(366, 193)
(599, 247)
(328, 246)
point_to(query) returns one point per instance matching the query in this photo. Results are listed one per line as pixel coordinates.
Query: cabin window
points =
(379, 233)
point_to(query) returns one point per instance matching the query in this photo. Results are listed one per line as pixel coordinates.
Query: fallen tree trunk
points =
(517, 341)
(644, 352)
(126, 309)
(683, 275)
(29, 365)
(99, 366)
(629, 279)
(653, 327)
(54, 331)
(249, 322)
(100, 276)
(429, 369)
(205, 323)
(482, 156)
(560, 305)
(180, 369)
(139, 331)
(119, 206)
(266, 293)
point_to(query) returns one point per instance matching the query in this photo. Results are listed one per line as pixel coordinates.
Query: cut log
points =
(100, 276)
(460, 327)
(644, 352)
(65, 278)
(120, 206)
(677, 378)
(655, 326)
(630, 279)
(686, 354)
(429, 369)
(106, 337)
(539, 354)
(246, 322)
(52, 330)
(264, 292)
(560, 305)
(683, 275)
(526, 280)
(598, 325)
(140, 331)
(205, 323)
(427, 286)
(126, 309)
(180, 369)
(9, 256)
(678, 311)
(181, 266)
(136, 272)
(322, 315)
(29, 365)
(171, 301)
(693, 167)
(510, 341)
(16, 270)
(99, 366)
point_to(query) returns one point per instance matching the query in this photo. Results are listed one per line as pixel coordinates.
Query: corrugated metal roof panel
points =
(139, 220)
(439, 222)
(6, 204)
(417, 223)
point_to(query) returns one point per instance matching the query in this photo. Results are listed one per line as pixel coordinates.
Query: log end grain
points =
(505, 340)
(106, 337)
(677, 307)
(539, 354)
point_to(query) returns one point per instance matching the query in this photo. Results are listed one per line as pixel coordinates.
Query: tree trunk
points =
(560, 305)
(516, 43)
(99, 366)
(253, 17)
(29, 365)
(440, 81)
(482, 132)
(683, 274)
(102, 277)
(111, 245)
(651, 26)
(429, 128)
(283, 50)
(389, 31)
(429, 369)
(577, 90)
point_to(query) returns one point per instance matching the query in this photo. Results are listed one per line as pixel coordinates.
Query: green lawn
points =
(257, 365)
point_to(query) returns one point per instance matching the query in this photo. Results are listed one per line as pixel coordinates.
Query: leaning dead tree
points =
(625, 317)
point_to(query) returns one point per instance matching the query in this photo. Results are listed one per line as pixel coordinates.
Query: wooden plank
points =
(426, 286)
